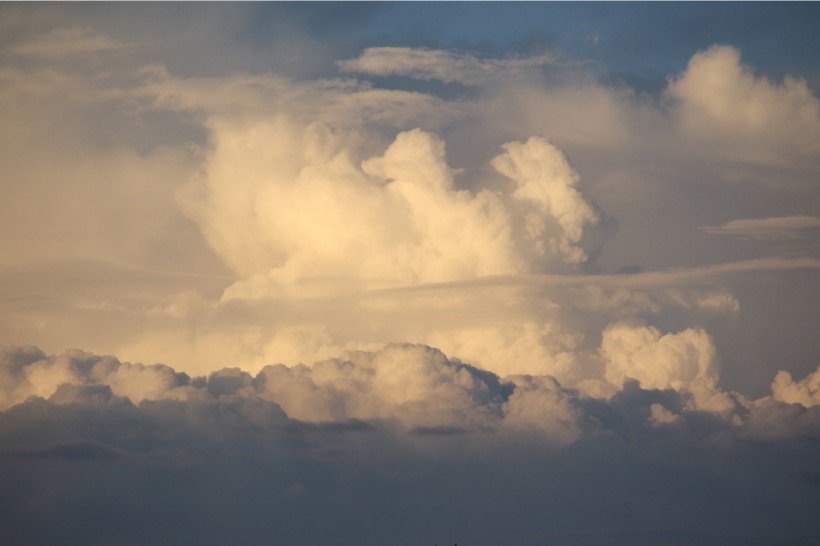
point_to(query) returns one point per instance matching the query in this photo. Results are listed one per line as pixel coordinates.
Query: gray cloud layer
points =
(375, 443)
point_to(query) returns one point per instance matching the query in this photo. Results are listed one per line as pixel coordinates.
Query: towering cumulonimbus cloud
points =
(399, 219)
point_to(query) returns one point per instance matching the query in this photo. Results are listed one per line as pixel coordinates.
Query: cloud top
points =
(719, 97)
(398, 218)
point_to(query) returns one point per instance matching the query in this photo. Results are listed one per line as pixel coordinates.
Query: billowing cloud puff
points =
(311, 215)
(450, 234)
(528, 348)
(29, 372)
(417, 388)
(414, 384)
(720, 98)
(540, 403)
(548, 184)
(685, 360)
(805, 392)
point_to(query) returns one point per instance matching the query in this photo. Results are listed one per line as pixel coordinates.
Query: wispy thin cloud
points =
(65, 42)
(671, 278)
(443, 66)
(779, 227)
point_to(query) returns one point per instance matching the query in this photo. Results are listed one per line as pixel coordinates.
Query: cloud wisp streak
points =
(443, 66)
(780, 227)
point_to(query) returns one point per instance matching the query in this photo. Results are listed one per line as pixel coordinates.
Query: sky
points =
(410, 273)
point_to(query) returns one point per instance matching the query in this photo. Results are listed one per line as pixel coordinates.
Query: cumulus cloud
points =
(540, 403)
(317, 193)
(397, 219)
(805, 391)
(27, 372)
(444, 66)
(534, 348)
(405, 419)
(415, 386)
(721, 98)
(685, 360)
(545, 178)
(418, 388)
(388, 305)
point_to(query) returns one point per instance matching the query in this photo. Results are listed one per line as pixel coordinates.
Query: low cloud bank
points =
(360, 449)
(417, 387)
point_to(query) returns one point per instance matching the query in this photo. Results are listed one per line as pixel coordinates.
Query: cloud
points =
(546, 178)
(27, 372)
(388, 306)
(67, 42)
(781, 227)
(540, 403)
(315, 194)
(397, 219)
(528, 348)
(413, 384)
(719, 98)
(444, 66)
(439, 434)
(681, 277)
(685, 360)
(805, 392)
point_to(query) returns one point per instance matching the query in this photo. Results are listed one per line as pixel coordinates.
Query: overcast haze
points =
(415, 274)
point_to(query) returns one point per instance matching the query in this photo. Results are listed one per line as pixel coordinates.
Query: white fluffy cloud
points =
(460, 304)
(685, 360)
(805, 391)
(28, 372)
(722, 100)
(413, 384)
(318, 193)
(398, 219)
(416, 386)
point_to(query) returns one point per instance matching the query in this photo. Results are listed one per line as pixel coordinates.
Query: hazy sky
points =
(365, 273)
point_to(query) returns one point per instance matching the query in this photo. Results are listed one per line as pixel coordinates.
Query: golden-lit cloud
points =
(444, 66)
